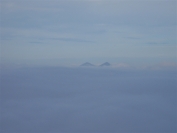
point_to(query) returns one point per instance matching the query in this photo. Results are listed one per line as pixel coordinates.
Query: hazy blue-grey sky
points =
(75, 31)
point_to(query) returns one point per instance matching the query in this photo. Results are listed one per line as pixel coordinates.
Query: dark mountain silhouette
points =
(106, 64)
(87, 64)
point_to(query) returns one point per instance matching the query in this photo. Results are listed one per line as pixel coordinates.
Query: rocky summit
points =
(87, 64)
(106, 64)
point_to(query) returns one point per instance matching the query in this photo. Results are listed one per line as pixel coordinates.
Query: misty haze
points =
(88, 66)
(60, 99)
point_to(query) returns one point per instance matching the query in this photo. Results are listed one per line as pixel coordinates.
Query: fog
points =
(60, 99)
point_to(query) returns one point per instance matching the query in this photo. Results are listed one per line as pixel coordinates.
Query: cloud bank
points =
(58, 100)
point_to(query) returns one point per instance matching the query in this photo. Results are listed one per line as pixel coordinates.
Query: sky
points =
(71, 32)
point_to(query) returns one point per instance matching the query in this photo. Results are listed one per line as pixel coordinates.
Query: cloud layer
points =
(87, 100)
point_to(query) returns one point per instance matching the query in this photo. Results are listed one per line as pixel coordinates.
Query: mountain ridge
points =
(87, 64)
(105, 64)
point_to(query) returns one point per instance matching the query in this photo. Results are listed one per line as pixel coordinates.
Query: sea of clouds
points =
(60, 99)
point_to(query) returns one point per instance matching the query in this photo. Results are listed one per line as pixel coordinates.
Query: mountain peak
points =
(87, 64)
(106, 64)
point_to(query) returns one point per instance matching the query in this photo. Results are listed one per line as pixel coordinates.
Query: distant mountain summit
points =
(87, 64)
(106, 64)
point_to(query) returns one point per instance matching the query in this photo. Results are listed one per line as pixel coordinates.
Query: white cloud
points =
(121, 65)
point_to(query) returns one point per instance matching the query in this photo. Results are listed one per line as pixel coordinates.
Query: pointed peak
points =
(106, 64)
(87, 64)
